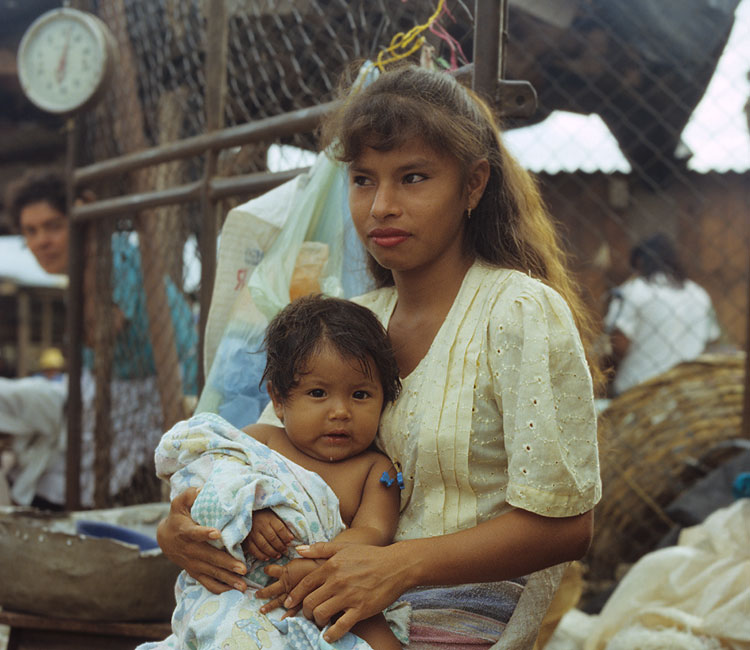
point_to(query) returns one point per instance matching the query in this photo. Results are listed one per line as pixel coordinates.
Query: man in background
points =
(37, 206)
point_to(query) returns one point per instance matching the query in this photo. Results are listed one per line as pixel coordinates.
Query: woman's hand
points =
(186, 544)
(357, 580)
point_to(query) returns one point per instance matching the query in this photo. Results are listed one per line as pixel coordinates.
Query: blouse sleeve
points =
(268, 416)
(544, 392)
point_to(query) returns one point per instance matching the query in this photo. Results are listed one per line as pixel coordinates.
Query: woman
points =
(495, 428)
(659, 317)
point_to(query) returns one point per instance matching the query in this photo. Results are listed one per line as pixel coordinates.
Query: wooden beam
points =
(46, 334)
(746, 409)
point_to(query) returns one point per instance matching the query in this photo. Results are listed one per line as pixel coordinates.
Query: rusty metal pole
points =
(74, 311)
(74, 330)
(489, 22)
(217, 40)
(97, 282)
(746, 409)
(503, 30)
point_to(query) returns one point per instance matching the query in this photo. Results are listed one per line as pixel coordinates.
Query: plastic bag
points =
(296, 239)
(698, 588)
(302, 225)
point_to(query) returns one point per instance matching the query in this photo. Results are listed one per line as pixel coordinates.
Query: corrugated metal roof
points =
(716, 137)
(567, 142)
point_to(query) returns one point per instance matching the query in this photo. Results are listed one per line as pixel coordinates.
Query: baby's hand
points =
(269, 537)
(287, 577)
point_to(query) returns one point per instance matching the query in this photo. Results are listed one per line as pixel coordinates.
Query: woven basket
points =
(657, 439)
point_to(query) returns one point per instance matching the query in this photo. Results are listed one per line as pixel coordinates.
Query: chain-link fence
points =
(644, 158)
(276, 58)
(618, 86)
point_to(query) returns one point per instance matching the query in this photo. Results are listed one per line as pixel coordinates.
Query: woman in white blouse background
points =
(659, 317)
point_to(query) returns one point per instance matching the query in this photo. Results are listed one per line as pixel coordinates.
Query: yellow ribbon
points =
(411, 40)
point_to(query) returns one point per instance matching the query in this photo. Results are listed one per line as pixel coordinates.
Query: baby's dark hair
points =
(300, 329)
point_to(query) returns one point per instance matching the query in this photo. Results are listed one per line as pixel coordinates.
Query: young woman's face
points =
(334, 411)
(45, 230)
(409, 206)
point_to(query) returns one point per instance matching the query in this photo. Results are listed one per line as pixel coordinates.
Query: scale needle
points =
(60, 73)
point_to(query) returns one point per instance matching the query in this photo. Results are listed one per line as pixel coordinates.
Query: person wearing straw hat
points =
(52, 364)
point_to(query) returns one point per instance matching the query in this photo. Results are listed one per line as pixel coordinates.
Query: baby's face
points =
(334, 410)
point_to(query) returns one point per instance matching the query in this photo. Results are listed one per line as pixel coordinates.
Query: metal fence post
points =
(74, 327)
(746, 404)
(217, 39)
(489, 24)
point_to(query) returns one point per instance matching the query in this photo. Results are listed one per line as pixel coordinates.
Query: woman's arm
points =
(186, 543)
(512, 545)
(362, 580)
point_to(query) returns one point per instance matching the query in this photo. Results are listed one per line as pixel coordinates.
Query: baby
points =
(329, 371)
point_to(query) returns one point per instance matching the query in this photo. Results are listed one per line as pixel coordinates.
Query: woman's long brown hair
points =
(510, 227)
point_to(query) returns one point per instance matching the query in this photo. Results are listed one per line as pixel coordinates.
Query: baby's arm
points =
(374, 523)
(377, 515)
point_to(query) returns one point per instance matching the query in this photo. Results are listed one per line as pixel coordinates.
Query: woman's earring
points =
(468, 214)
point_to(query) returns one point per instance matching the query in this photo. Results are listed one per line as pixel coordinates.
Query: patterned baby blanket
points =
(238, 475)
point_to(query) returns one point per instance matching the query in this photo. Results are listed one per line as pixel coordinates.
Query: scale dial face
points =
(65, 60)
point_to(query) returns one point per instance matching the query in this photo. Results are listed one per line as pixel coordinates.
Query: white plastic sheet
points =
(700, 587)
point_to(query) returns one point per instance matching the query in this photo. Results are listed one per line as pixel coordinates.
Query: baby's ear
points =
(278, 405)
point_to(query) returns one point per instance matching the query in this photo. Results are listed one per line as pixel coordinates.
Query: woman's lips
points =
(388, 237)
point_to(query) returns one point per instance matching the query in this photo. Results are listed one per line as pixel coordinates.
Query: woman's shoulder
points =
(377, 300)
(518, 303)
(518, 287)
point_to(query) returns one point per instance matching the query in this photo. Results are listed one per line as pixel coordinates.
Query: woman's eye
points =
(414, 178)
(316, 392)
(360, 181)
(361, 394)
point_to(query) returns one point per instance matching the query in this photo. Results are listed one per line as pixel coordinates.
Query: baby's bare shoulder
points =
(376, 461)
(262, 432)
(360, 468)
